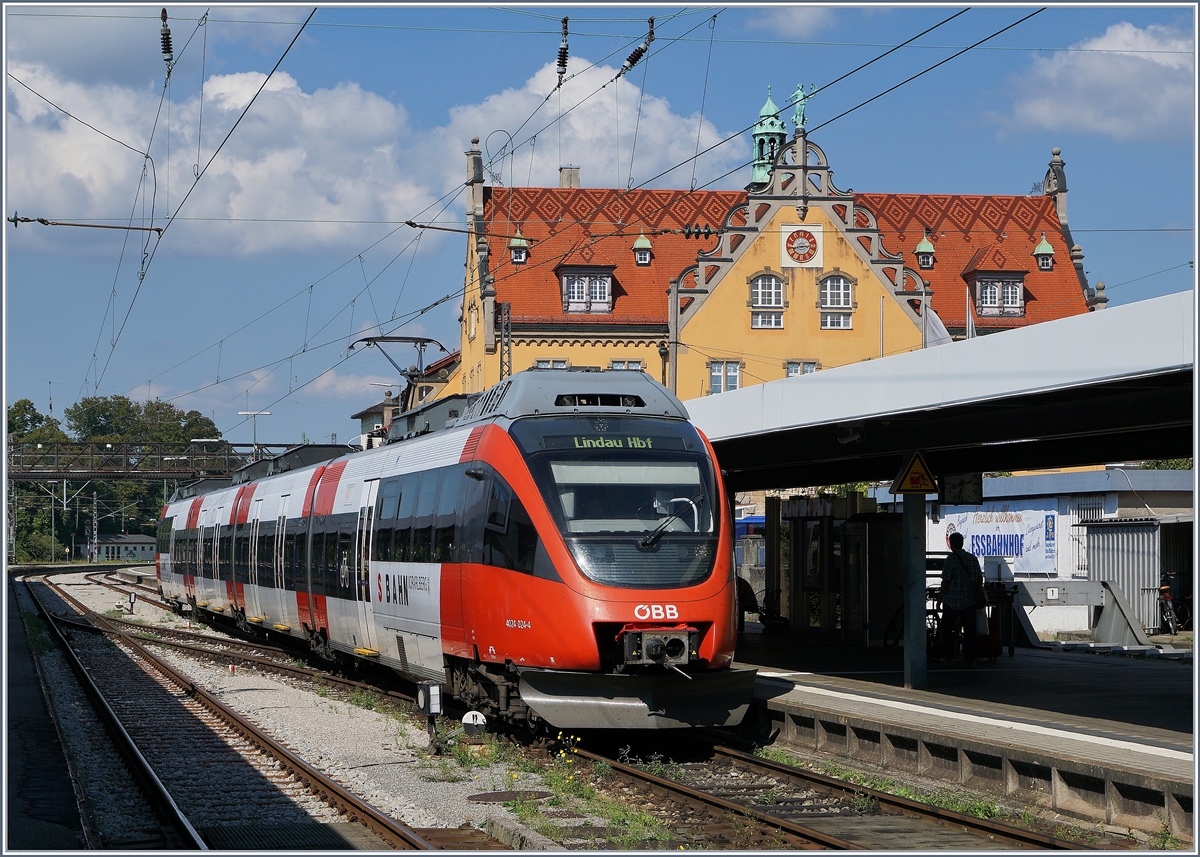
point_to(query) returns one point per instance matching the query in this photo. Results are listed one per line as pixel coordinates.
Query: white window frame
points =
(627, 365)
(989, 294)
(766, 292)
(550, 363)
(1010, 295)
(800, 367)
(587, 291)
(641, 257)
(925, 261)
(837, 321)
(724, 376)
(843, 298)
(766, 320)
(1045, 262)
(519, 254)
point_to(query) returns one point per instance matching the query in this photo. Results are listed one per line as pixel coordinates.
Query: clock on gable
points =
(801, 246)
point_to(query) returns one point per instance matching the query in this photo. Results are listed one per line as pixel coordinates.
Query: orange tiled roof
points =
(981, 233)
(596, 227)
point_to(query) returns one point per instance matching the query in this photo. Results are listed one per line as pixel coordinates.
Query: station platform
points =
(1104, 737)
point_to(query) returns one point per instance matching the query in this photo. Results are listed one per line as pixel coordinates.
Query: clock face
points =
(801, 245)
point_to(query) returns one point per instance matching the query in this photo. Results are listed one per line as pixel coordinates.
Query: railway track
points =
(792, 808)
(215, 779)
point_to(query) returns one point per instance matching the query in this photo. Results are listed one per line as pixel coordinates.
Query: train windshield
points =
(633, 497)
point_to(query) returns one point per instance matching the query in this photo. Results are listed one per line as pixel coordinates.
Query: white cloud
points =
(796, 22)
(332, 155)
(1129, 83)
(593, 132)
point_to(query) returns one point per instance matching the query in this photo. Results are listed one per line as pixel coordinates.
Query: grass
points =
(960, 802)
(572, 784)
(1163, 839)
(363, 698)
(656, 764)
(445, 772)
(39, 638)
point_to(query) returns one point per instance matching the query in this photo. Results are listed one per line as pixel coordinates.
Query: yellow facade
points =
(721, 328)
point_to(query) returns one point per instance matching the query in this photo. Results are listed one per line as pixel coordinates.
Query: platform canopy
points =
(1112, 385)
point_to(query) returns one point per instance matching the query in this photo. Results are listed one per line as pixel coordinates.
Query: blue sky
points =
(296, 225)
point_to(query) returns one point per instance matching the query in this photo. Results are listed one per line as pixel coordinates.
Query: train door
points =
(280, 556)
(362, 564)
(249, 559)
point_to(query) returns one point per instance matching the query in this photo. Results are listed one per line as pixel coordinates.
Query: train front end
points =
(630, 622)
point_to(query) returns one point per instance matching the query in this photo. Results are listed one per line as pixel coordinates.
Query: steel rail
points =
(157, 793)
(354, 808)
(815, 839)
(895, 805)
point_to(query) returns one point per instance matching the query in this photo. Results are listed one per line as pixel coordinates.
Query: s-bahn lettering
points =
(614, 442)
(656, 611)
(395, 588)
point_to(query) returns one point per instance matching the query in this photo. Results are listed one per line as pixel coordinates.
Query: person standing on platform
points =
(962, 593)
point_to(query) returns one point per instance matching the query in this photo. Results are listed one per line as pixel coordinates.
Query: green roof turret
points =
(1043, 248)
(642, 242)
(770, 135)
(925, 246)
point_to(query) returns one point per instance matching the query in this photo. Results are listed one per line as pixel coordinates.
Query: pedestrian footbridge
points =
(1106, 386)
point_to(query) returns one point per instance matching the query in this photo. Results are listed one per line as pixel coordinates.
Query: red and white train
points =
(563, 552)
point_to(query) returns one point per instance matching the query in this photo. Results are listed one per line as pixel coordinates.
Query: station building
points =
(713, 290)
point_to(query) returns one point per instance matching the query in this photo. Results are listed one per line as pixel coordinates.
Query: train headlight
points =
(656, 649)
(676, 648)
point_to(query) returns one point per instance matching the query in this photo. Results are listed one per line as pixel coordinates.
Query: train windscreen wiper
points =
(658, 532)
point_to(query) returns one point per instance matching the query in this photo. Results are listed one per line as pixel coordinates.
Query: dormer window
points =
(924, 253)
(1044, 254)
(518, 248)
(1000, 295)
(641, 250)
(587, 291)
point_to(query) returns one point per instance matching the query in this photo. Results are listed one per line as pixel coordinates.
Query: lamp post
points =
(254, 415)
(663, 352)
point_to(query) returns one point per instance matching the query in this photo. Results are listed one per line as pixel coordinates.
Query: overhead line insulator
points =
(563, 53)
(167, 51)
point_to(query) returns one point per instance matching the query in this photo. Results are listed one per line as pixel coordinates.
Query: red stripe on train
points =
(472, 444)
(308, 493)
(194, 513)
(327, 490)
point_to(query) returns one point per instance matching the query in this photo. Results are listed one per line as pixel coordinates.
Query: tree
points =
(1168, 464)
(26, 423)
(129, 506)
(118, 418)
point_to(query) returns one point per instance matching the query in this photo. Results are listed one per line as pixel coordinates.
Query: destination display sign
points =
(611, 441)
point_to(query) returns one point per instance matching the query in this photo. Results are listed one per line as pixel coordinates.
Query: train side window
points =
(297, 570)
(317, 570)
(266, 549)
(163, 542)
(402, 541)
(515, 545)
(423, 515)
(389, 499)
(498, 503)
(447, 506)
(225, 559)
(472, 518)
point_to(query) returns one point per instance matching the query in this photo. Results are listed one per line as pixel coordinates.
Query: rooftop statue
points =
(801, 99)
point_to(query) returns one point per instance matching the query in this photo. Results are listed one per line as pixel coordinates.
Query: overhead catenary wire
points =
(171, 219)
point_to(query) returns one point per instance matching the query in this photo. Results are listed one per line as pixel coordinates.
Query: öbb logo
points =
(656, 611)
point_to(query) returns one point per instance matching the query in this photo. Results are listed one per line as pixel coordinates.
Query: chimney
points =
(568, 176)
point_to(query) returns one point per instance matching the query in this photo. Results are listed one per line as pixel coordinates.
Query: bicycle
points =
(1166, 604)
(933, 624)
(768, 610)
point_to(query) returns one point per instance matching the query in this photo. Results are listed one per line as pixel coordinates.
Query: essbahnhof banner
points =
(1027, 537)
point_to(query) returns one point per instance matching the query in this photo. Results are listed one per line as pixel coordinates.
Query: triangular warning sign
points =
(915, 477)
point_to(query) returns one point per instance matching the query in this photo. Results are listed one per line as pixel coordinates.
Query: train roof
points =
(544, 392)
